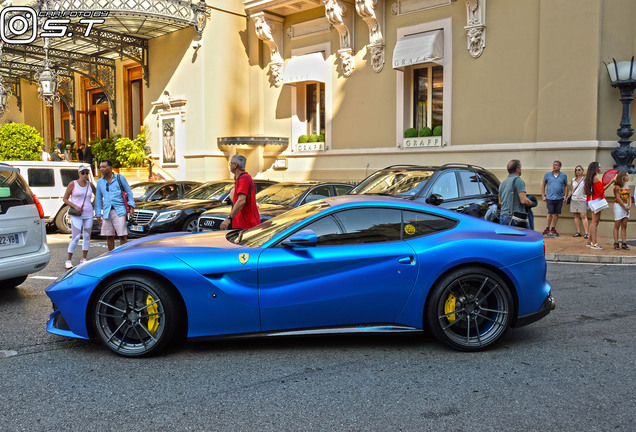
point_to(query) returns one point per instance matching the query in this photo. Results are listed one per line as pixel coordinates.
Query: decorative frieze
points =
(339, 16)
(372, 12)
(476, 26)
(269, 29)
(309, 28)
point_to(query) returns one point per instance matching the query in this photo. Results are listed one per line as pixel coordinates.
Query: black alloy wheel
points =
(470, 309)
(190, 224)
(136, 316)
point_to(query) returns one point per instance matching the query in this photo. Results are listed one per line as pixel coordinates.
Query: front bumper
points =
(548, 305)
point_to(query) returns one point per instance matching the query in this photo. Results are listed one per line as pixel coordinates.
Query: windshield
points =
(141, 189)
(402, 183)
(281, 194)
(257, 236)
(210, 191)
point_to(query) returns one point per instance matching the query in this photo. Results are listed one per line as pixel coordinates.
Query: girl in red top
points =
(594, 189)
(621, 208)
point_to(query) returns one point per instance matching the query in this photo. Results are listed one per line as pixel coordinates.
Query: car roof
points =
(4, 166)
(432, 167)
(311, 183)
(46, 164)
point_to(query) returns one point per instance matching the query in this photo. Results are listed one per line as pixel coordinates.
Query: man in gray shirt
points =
(512, 193)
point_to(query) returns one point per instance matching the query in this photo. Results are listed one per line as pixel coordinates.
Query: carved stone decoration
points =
(269, 29)
(476, 26)
(372, 12)
(338, 16)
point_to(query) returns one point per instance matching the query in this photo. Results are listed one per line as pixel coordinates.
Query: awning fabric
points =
(309, 67)
(419, 48)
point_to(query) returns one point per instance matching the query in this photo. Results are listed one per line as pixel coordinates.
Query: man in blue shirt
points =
(554, 192)
(109, 201)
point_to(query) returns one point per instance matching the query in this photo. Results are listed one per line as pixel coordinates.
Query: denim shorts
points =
(554, 206)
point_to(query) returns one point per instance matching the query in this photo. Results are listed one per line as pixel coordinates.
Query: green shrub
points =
(321, 137)
(425, 131)
(129, 153)
(303, 139)
(437, 131)
(105, 149)
(313, 138)
(20, 142)
(410, 133)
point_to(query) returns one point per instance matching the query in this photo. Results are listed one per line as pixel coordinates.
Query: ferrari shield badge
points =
(244, 257)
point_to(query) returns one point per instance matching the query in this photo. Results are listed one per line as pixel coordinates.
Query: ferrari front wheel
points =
(470, 309)
(136, 316)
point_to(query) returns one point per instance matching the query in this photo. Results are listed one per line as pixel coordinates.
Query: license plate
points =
(9, 239)
(137, 228)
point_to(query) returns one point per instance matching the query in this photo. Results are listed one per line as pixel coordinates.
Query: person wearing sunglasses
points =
(110, 208)
(79, 197)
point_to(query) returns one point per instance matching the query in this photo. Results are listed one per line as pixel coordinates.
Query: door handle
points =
(407, 260)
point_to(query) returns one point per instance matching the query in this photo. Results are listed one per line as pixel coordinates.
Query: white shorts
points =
(620, 212)
(114, 225)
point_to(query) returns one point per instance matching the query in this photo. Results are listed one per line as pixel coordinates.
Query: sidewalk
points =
(566, 248)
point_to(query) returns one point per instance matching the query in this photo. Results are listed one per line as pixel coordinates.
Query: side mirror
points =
(304, 238)
(435, 199)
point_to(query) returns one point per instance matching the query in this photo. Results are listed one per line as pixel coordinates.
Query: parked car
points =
(162, 190)
(23, 247)
(48, 181)
(354, 264)
(182, 215)
(277, 199)
(463, 188)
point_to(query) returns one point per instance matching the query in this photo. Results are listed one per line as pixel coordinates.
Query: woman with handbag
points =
(578, 201)
(595, 191)
(79, 197)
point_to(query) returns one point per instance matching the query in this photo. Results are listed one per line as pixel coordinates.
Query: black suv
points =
(463, 188)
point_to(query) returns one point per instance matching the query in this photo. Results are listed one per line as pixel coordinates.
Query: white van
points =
(48, 181)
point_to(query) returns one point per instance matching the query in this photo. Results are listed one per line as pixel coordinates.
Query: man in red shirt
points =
(244, 212)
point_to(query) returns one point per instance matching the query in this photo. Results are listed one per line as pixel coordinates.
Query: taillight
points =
(39, 206)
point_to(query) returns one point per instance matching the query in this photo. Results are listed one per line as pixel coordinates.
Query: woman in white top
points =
(578, 203)
(79, 196)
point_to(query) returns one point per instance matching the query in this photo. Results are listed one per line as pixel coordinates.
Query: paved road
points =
(574, 370)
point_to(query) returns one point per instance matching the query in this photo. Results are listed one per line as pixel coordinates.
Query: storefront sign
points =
(433, 141)
(310, 147)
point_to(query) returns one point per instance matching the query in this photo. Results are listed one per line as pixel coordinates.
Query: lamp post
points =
(623, 76)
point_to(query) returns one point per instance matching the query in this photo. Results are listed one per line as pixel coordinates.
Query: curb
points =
(589, 259)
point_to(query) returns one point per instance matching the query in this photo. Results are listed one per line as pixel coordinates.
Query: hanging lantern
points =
(48, 80)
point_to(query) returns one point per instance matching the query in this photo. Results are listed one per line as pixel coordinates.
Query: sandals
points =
(617, 246)
(625, 247)
(587, 235)
(578, 234)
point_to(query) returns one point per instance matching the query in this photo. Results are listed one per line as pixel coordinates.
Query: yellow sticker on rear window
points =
(409, 229)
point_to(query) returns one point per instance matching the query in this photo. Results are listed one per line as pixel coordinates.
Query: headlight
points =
(74, 270)
(168, 216)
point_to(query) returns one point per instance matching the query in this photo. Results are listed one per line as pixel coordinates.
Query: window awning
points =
(419, 48)
(309, 67)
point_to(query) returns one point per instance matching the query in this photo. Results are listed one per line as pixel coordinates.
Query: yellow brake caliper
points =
(449, 306)
(153, 320)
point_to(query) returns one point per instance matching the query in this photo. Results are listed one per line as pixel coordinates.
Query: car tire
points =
(190, 225)
(63, 220)
(13, 282)
(136, 316)
(470, 309)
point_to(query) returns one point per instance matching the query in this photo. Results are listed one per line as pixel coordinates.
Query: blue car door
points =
(359, 272)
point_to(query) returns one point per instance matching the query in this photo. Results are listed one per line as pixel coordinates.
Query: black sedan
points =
(162, 190)
(182, 214)
(277, 199)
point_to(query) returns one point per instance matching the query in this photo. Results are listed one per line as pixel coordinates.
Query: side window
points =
(342, 189)
(471, 183)
(319, 192)
(446, 186)
(260, 186)
(370, 225)
(418, 224)
(39, 177)
(187, 187)
(327, 230)
(68, 176)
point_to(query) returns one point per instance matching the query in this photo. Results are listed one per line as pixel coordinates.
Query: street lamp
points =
(623, 76)
(47, 79)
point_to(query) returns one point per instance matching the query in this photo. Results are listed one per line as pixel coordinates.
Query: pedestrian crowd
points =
(62, 152)
(587, 193)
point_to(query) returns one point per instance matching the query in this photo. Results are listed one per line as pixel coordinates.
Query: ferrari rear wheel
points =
(136, 316)
(470, 309)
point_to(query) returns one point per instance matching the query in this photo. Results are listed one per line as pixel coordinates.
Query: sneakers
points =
(68, 265)
(617, 246)
(578, 234)
(587, 236)
(596, 246)
(554, 232)
(82, 261)
(624, 246)
(546, 232)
